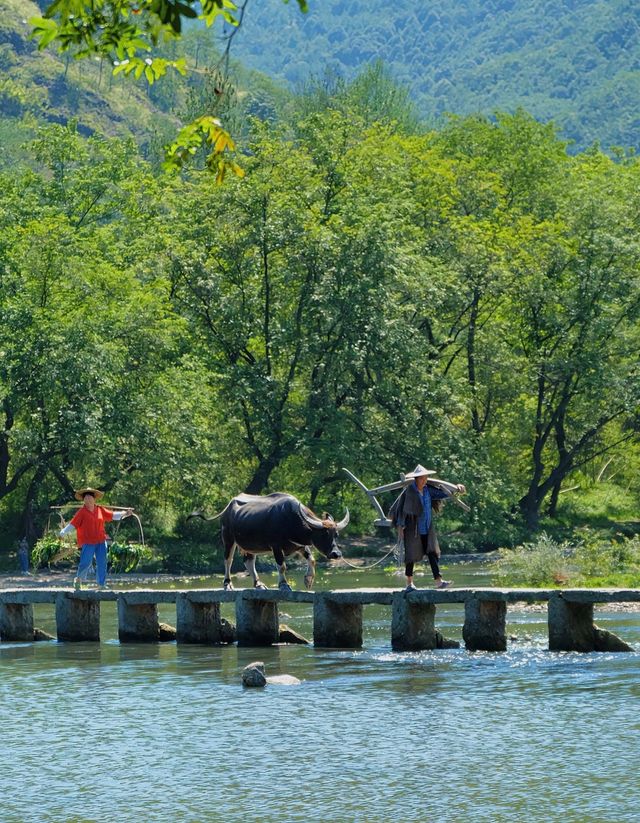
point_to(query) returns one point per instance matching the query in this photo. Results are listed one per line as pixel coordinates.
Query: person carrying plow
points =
(412, 515)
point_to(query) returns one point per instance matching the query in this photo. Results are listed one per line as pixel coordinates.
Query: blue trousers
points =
(86, 558)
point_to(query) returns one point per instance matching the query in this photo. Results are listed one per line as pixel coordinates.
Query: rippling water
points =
(110, 732)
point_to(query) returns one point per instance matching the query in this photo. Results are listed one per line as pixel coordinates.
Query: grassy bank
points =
(587, 559)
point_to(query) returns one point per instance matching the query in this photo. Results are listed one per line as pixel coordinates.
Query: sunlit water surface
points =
(110, 732)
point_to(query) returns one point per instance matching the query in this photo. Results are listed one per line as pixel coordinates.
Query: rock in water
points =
(253, 675)
(287, 635)
(40, 634)
(443, 642)
(166, 632)
(284, 680)
(605, 641)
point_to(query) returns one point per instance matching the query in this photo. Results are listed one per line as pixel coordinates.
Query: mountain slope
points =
(37, 86)
(47, 86)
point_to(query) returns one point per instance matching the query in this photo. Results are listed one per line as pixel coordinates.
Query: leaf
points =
(44, 31)
(180, 66)
(222, 168)
(186, 11)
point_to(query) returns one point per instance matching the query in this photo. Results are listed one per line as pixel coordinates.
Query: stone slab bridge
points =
(337, 615)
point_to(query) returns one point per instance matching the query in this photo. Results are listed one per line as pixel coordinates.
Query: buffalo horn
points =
(310, 520)
(344, 522)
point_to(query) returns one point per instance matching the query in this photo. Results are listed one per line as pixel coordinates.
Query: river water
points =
(110, 732)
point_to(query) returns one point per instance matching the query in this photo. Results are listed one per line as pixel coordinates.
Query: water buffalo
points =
(277, 523)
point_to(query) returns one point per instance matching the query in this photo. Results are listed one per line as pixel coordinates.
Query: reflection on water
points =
(160, 732)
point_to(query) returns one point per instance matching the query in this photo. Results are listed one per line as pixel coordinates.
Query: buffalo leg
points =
(311, 567)
(229, 551)
(250, 566)
(282, 568)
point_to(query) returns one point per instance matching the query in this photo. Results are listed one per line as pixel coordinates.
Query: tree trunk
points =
(530, 509)
(471, 361)
(30, 528)
(262, 474)
(552, 510)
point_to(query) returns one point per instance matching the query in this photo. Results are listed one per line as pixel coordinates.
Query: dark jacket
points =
(408, 506)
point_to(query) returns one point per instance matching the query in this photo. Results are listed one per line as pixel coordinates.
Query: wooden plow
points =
(382, 519)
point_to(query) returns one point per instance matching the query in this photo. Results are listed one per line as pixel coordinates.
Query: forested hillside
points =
(37, 87)
(574, 61)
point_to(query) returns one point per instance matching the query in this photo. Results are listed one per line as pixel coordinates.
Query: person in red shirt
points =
(89, 522)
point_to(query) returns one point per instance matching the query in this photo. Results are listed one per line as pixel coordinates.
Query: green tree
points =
(577, 308)
(84, 341)
(288, 277)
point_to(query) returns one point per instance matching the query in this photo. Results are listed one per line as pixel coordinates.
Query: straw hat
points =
(80, 493)
(419, 471)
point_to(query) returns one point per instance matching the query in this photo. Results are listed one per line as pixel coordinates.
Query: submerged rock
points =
(166, 632)
(40, 634)
(284, 680)
(253, 675)
(287, 635)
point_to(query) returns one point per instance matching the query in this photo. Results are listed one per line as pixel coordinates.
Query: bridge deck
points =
(363, 596)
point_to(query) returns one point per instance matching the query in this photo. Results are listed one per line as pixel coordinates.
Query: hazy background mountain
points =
(574, 61)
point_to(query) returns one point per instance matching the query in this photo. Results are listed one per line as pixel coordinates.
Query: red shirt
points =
(90, 525)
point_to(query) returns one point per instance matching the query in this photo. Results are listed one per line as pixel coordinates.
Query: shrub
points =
(590, 560)
(615, 562)
(545, 562)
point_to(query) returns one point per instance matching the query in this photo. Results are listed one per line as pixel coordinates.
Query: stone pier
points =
(412, 624)
(336, 625)
(77, 617)
(138, 615)
(16, 621)
(257, 619)
(485, 625)
(137, 622)
(198, 617)
(337, 616)
(571, 626)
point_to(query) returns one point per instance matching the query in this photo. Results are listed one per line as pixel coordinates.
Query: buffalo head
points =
(324, 532)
